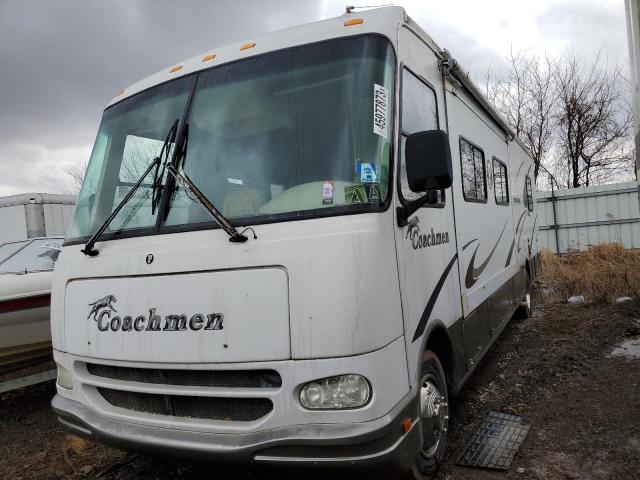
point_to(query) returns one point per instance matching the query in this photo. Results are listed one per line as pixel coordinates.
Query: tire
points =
(434, 411)
(523, 311)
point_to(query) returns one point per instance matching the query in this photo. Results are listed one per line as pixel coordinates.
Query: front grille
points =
(209, 408)
(191, 378)
(139, 402)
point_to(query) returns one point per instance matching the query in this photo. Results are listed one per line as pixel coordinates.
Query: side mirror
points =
(428, 159)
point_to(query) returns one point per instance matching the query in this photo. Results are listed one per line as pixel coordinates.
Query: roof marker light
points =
(247, 46)
(353, 21)
(207, 58)
(119, 92)
(175, 69)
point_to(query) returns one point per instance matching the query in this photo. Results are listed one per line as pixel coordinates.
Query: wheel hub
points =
(434, 411)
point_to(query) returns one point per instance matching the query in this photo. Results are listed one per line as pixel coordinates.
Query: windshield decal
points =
(367, 172)
(373, 192)
(327, 193)
(354, 194)
(380, 108)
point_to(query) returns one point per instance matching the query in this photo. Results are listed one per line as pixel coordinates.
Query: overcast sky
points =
(61, 61)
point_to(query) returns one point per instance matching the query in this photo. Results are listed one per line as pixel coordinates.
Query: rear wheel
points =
(434, 417)
(524, 309)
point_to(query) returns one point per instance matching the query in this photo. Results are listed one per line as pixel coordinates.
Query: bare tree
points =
(76, 172)
(594, 121)
(136, 158)
(525, 97)
(508, 92)
(570, 114)
(537, 131)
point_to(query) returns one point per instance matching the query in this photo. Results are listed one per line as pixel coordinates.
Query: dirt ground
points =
(554, 369)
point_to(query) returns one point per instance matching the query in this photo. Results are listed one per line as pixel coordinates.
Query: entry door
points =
(426, 247)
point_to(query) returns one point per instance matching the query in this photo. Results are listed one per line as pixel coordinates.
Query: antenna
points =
(352, 8)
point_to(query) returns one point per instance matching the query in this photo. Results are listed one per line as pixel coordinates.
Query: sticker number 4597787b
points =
(380, 107)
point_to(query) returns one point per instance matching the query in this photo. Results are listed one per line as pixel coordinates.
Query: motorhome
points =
(292, 251)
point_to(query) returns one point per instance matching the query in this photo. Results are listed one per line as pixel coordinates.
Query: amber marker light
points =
(406, 425)
(119, 92)
(208, 58)
(175, 69)
(353, 21)
(247, 46)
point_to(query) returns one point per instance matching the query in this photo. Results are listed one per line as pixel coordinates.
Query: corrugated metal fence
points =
(576, 218)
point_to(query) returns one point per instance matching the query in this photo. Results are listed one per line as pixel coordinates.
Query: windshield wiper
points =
(234, 235)
(88, 248)
(156, 190)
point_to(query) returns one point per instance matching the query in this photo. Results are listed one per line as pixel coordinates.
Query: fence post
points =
(554, 201)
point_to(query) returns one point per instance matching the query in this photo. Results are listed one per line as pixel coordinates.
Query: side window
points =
(474, 181)
(529, 193)
(419, 113)
(501, 187)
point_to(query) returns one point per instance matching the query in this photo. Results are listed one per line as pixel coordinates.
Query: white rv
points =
(292, 251)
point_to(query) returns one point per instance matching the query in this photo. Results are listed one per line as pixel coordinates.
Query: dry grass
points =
(77, 445)
(602, 273)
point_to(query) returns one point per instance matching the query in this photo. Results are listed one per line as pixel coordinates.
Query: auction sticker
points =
(354, 194)
(368, 173)
(327, 193)
(380, 107)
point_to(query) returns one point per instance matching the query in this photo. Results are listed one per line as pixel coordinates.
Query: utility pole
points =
(632, 8)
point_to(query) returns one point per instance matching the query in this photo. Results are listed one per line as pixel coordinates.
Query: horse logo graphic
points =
(104, 302)
(413, 228)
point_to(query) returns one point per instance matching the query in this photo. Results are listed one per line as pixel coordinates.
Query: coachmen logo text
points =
(424, 240)
(102, 309)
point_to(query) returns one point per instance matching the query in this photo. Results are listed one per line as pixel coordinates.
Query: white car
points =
(26, 270)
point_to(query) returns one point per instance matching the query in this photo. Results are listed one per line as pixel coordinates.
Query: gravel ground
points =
(554, 369)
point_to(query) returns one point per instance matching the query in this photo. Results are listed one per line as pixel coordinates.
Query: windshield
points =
(131, 135)
(304, 131)
(7, 249)
(34, 256)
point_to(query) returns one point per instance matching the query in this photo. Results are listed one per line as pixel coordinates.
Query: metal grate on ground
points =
(495, 443)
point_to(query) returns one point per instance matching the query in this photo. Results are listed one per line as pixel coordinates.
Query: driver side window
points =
(419, 113)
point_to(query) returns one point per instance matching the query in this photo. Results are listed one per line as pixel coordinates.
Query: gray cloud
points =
(587, 27)
(473, 57)
(61, 61)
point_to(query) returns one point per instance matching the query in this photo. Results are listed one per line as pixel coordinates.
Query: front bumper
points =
(380, 446)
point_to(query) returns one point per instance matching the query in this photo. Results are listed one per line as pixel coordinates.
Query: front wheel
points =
(434, 417)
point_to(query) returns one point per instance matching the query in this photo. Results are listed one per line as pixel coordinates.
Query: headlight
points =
(341, 392)
(64, 378)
